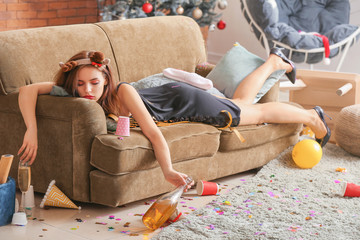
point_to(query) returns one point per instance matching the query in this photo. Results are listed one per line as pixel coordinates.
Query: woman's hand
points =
(177, 178)
(29, 147)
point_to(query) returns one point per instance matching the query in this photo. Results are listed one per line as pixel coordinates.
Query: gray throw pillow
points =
(234, 66)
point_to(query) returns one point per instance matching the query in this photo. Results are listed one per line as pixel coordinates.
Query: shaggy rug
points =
(282, 201)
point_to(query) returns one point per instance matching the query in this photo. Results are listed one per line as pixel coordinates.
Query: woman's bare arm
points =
(132, 101)
(27, 102)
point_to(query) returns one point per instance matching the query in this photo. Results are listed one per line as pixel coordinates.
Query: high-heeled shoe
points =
(290, 75)
(325, 139)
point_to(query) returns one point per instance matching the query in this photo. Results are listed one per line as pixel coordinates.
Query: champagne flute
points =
(24, 179)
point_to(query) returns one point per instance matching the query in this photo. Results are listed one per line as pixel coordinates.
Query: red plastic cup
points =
(351, 190)
(207, 188)
(123, 127)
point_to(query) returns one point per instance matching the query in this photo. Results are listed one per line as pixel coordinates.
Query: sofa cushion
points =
(255, 135)
(186, 141)
(142, 51)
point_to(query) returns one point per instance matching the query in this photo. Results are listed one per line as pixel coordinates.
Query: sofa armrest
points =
(272, 95)
(66, 129)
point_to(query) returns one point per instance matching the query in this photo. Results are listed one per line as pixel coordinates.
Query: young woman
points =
(87, 75)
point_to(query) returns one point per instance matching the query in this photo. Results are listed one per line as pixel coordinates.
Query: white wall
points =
(238, 30)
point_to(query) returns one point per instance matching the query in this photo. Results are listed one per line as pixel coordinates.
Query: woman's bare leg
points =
(252, 83)
(276, 112)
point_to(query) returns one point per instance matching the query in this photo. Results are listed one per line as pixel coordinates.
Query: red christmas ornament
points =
(147, 7)
(221, 25)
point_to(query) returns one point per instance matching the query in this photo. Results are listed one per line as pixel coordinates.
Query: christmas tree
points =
(202, 11)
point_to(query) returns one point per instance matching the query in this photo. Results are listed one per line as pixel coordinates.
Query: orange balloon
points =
(307, 153)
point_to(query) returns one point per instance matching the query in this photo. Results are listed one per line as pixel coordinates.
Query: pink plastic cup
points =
(123, 127)
(207, 188)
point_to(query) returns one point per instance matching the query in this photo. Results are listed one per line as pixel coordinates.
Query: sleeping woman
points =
(87, 75)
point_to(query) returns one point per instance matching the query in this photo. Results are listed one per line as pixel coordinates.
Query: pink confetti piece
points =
(210, 227)
(118, 219)
(296, 189)
(337, 181)
(271, 194)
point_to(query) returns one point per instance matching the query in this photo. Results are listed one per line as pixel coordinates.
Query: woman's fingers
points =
(33, 157)
(28, 153)
(21, 149)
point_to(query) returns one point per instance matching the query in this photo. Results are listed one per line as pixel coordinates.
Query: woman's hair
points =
(66, 78)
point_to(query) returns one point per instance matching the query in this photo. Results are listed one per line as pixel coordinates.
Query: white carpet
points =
(282, 202)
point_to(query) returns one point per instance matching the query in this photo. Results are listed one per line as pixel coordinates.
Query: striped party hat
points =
(54, 197)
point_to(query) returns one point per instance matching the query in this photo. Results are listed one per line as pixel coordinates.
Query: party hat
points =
(54, 197)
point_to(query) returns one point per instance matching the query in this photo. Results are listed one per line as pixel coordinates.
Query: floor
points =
(104, 223)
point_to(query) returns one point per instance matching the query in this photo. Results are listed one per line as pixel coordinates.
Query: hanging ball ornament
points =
(197, 13)
(180, 10)
(222, 4)
(212, 27)
(221, 25)
(147, 7)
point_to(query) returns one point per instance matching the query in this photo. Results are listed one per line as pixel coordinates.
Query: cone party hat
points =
(54, 197)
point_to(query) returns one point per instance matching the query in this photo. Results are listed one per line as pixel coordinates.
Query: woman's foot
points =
(320, 127)
(291, 74)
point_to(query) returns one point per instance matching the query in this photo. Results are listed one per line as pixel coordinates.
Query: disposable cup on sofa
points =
(7, 201)
(123, 126)
(207, 188)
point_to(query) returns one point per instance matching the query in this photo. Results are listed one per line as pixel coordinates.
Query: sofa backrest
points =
(33, 55)
(137, 48)
(145, 46)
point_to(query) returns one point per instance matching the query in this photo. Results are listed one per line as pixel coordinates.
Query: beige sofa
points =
(90, 165)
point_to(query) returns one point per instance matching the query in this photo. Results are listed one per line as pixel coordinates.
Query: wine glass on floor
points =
(24, 179)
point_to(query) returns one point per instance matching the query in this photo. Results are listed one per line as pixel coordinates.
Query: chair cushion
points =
(293, 22)
(186, 141)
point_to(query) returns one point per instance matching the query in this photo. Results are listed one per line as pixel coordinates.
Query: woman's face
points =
(90, 83)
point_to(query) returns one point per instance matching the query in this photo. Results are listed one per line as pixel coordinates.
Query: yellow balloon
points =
(307, 153)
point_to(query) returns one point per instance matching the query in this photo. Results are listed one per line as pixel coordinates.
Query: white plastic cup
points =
(123, 126)
(29, 198)
(19, 219)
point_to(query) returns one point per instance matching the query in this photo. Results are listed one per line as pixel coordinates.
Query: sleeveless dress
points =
(175, 102)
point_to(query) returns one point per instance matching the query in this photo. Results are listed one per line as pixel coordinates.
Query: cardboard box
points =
(322, 89)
